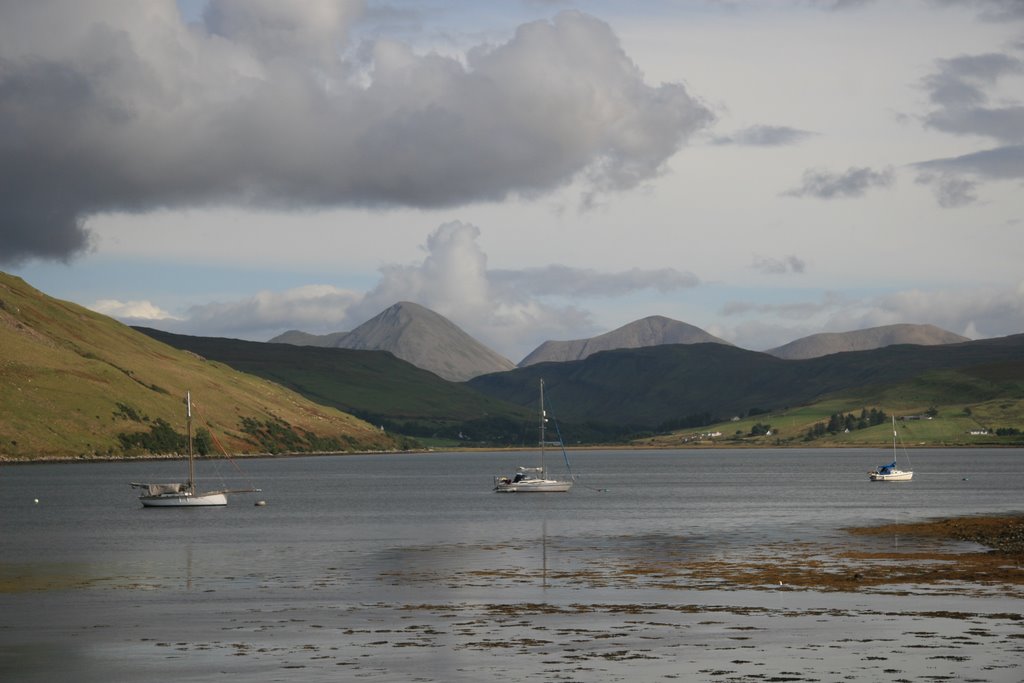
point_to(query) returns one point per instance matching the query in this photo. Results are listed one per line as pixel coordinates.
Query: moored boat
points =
(533, 479)
(184, 494)
(891, 472)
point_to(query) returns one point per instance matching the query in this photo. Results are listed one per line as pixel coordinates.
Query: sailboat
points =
(177, 494)
(891, 472)
(533, 479)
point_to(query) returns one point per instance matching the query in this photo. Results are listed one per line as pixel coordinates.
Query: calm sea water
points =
(119, 591)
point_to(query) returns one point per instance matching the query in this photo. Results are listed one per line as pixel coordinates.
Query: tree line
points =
(837, 422)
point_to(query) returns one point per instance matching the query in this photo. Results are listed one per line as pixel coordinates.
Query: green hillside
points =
(974, 406)
(653, 387)
(74, 383)
(373, 385)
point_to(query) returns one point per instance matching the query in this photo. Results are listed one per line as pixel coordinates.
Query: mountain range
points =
(76, 383)
(826, 343)
(651, 331)
(430, 341)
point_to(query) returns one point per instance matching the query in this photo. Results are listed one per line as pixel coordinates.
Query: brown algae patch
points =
(1002, 533)
(925, 556)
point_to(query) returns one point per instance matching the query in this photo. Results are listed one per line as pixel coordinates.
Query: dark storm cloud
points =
(854, 182)
(112, 106)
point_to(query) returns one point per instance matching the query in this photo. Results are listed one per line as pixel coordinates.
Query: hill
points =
(651, 331)
(74, 383)
(678, 385)
(827, 343)
(374, 385)
(415, 334)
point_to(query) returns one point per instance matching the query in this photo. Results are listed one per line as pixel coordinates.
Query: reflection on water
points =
(401, 567)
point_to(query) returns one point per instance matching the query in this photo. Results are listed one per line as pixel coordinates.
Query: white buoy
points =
(36, 501)
(261, 503)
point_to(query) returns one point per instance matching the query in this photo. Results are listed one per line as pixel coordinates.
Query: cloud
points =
(510, 311)
(984, 312)
(779, 266)
(990, 10)
(110, 106)
(563, 281)
(312, 308)
(764, 136)
(854, 182)
(955, 180)
(950, 190)
(962, 88)
(800, 310)
(974, 313)
(136, 310)
(1001, 163)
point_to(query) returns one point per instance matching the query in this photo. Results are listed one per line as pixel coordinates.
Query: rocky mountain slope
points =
(826, 343)
(651, 331)
(417, 335)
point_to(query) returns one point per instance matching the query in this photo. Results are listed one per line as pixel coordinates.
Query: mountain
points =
(614, 394)
(863, 340)
(417, 335)
(299, 338)
(657, 385)
(374, 385)
(74, 383)
(651, 331)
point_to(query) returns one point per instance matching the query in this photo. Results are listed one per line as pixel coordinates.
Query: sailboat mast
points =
(188, 428)
(543, 419)
(894, 437)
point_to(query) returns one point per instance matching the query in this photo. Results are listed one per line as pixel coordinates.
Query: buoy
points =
(36, 501)
(261, 503)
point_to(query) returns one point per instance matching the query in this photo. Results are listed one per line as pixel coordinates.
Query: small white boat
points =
(533, 479)
(530, 479)
(184, 494)
(891, 472)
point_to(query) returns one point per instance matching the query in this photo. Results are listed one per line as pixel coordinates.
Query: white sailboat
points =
(184, 494)
(891, 472)
(533, 479)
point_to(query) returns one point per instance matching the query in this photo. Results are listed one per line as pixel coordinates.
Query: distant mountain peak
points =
(827, 343)
(653, 330)
(417, 335)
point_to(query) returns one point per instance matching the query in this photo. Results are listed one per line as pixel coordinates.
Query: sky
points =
(532, 170)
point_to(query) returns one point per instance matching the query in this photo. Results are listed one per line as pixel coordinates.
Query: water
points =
(403, 567)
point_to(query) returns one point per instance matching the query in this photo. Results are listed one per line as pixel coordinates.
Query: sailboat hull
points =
(181, 500)
(891, 476)
(542, 486)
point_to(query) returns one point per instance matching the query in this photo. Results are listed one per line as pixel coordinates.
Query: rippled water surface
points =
(408, 567)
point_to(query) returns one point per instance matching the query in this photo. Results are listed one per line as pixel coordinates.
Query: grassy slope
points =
(369, 383)
(647, 387)
(642, 385)
(986, 396)
(65, 369)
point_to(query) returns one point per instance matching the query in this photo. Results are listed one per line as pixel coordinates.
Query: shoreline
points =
(84, 458)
